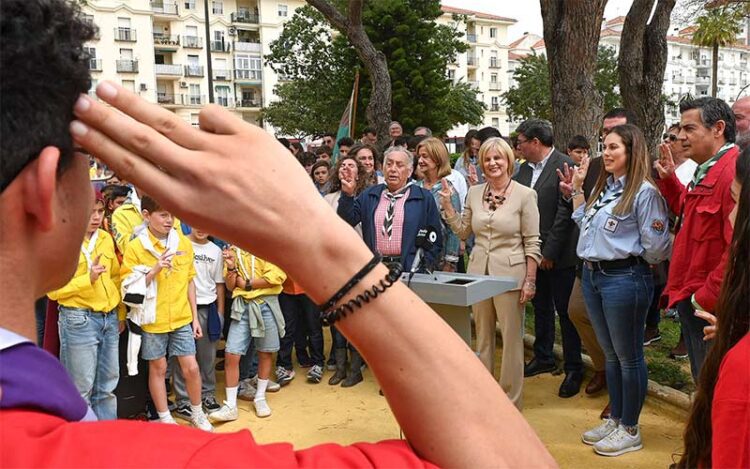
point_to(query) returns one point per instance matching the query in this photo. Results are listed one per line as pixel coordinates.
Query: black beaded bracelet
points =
(329, 317)
(350, 284)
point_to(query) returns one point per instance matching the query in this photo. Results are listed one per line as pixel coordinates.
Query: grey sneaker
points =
(225, 414)
(599, 433)
(619, 442)
(246, 391)
(315, 374)
(284, 376)
(273, 386)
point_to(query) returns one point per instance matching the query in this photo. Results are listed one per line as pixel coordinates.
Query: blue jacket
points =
(420, 212)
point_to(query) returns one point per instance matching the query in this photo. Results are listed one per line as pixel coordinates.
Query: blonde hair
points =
(438, 153)
(639, 169)
(501, 146)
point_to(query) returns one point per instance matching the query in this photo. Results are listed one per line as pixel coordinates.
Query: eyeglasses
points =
(670, 137)
(520, 142)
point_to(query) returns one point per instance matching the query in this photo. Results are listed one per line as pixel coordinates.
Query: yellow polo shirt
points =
(101, 296)
(263, 269)
(124, 222)
(172, 306)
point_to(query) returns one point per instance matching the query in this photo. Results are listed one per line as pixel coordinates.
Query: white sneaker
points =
(200, 421)
(261, 408)
(169, 421)
(619, 442)
(599, 433)
(224, 414)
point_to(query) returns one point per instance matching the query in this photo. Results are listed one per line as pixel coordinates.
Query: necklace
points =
(495, 200)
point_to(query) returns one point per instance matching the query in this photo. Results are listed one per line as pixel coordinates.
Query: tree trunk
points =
(641, 65)
(715, 70)
(571, 37)
(378, 110)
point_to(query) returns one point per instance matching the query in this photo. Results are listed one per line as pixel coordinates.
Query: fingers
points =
(706, 316)
(216, 120)
(96, 261)
(163, 121)
(560, 174)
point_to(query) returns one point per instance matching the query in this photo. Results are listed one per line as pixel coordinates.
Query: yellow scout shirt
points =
(250, 267)
(104, 294)
(124, 222)
(172, 306)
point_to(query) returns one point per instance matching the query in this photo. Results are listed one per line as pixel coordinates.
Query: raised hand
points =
(566, 180)
(446, 192)
(164, 262)
(348, 186)
(96, 270)
(709, 332)
(665, 164)
(473, 176)
(230, 260)
(579, 174)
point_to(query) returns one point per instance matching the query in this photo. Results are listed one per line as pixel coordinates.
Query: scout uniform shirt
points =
(250, 267)
(126, 220)
(172, 306)
(104, 294)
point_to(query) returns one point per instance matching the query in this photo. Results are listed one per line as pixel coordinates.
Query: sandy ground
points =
(306, 414)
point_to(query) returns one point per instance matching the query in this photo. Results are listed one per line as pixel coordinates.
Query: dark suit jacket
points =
(556, 227)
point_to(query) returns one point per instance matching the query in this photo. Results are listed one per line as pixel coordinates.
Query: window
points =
(193, 60)
(190, 4)
(495, 122)
(493, 32)
(452, 75)
(129, 85)
(191, 31)
(222, 96)
(493, 78)
(248, 68)
(195, 94)
(159, 59)
(283, 10)
(126, 54)
(217, 7)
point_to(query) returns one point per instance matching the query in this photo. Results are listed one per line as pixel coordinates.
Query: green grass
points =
(661, 368)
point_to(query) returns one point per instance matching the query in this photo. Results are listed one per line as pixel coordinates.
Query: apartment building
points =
(159, 49)
(484, 66)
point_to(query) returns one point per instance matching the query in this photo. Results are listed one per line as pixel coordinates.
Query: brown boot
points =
(597, 383)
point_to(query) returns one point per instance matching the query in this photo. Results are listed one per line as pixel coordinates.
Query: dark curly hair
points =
(43, 70)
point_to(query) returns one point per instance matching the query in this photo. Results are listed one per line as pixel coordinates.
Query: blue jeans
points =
(617, 301)
(89, 344)
(692, 331)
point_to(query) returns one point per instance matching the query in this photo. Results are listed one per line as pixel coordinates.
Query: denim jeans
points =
(338, 339)
(40, 313)
(89, 344)
(617, 301)
(692, 331)
(553, 289)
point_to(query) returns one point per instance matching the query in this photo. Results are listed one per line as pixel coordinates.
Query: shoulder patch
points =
(658, 226)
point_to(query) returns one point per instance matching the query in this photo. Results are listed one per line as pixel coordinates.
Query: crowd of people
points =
(629, 235)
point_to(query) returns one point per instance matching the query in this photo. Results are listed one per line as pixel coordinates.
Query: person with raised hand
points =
(228, 165)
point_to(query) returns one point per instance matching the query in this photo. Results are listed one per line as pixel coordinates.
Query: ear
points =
(39, 187)
(718, 128)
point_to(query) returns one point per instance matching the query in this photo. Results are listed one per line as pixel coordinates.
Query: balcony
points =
(494, 63)
(125, 35)
(164, 42)
(168, 70)
(192, 42)
(224, 101)
(167, 98)
(194, 71)
(248, 75)
(495, 86)
(245, 17)
(221, 74)
(249, 103)
(690, 80)
(242, 46)
(127, 66)
(193, 99)
(678, 80)
(471, 61)
(471, 37)
(494, 107)
(95, 65)
(732, 81)
(164, 8)
(219, 46)
(473, 85)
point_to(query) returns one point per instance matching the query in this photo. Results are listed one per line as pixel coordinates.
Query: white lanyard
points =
(171, 245)
(242, 265)
(87, 249)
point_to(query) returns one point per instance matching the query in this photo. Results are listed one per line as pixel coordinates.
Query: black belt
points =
(615, 264)
(388, 260)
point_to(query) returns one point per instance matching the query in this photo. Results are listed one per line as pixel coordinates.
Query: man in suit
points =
(556, 273)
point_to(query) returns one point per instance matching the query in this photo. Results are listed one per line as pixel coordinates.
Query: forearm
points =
(531, 266)
(385, 335)
(231, 280)
(192, 300)
(220, 297)
(150, 276)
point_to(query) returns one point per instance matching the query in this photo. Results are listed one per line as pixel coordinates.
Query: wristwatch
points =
(248, 285)
(232, 270)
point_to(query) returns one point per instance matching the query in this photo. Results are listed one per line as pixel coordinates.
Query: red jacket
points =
(35, 439)
(730, 409)
(700, 249)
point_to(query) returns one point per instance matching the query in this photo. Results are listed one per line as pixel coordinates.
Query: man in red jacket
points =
(703, 231)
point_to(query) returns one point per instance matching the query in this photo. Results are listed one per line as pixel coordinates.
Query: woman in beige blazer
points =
(504, 218)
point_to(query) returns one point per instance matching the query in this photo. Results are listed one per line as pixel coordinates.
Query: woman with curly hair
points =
(718, 430)
(370, 158)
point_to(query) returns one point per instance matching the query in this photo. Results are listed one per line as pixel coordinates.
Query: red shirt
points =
(700, 249)
(33, 439)
(730, 409)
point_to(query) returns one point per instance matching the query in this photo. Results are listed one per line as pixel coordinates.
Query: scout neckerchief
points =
(243, 268)
(173, 240)
(600, 203)
(391, 209)
(88, 248)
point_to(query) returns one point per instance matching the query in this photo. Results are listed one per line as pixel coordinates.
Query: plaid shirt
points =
(385, 246)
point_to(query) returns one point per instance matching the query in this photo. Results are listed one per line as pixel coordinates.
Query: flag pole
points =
(353, 122)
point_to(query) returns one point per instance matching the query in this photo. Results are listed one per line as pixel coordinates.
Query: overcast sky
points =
(527, 12)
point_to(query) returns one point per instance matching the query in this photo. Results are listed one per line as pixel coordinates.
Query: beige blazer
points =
(503, 238)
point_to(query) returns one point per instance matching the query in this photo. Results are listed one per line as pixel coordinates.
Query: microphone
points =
(426, 238)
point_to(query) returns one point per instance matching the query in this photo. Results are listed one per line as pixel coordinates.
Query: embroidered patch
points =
(658, 226)
(611, 225)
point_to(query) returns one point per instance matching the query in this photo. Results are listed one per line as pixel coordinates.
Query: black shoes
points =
(535, 367)
(571, 385)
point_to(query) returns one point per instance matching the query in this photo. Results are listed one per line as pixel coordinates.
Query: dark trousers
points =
(40, 312)
(553, 288)
(339, 341)
(692, 331)
(299, 310)
(654, 313)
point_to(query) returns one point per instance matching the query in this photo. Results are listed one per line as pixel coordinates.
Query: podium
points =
(451, 294)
